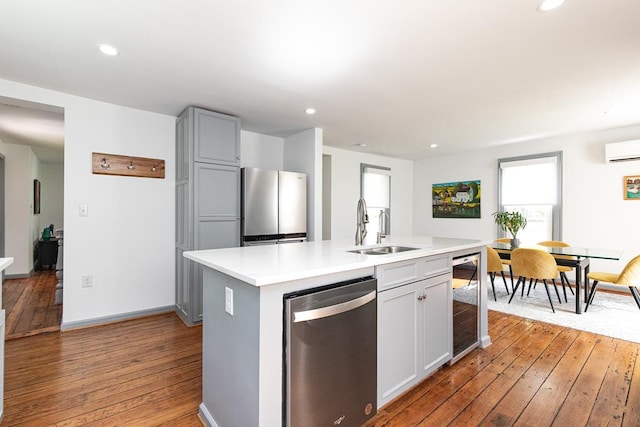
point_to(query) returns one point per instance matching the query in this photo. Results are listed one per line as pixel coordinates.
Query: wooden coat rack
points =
(113, 164)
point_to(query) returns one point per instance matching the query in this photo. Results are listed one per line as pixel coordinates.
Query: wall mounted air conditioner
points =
(622, 151)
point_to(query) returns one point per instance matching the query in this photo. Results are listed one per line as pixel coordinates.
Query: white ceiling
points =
(39, 126)
(397, 76)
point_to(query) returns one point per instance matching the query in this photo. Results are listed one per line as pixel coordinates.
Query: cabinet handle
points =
(332, 310)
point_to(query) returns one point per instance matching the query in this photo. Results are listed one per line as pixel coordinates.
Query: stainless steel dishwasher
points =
(330, 344)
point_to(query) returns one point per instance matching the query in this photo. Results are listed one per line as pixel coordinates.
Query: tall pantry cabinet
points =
(207, 197)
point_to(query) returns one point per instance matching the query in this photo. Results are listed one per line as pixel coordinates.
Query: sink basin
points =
(383, 250)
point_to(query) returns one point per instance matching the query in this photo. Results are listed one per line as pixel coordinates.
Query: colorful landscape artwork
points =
(456, 199)
(632, 187)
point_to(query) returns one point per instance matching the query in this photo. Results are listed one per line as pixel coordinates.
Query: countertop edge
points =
(354, 262)
(5, 262)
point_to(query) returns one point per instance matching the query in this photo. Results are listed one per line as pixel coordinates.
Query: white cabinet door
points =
(414, 334)
(398, 336)
(436, 323)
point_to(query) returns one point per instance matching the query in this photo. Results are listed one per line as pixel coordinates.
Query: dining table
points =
(576, 257)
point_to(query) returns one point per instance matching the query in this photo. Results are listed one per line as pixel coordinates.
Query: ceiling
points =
(396, 76)
(39, 126)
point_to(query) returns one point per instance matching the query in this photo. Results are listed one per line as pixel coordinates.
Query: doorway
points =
(31, 150)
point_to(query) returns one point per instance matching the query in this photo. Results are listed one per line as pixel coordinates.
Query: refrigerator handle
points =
(332, 310)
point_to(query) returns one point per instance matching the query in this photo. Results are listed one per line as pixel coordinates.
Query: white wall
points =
(126, 243)
(326, 197)
(21, 225)
(261, 151)
(345, 192)
(52, 198)
(303, 153)
(595, 213)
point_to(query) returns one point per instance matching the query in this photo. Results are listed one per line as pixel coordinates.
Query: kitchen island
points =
(243, 313)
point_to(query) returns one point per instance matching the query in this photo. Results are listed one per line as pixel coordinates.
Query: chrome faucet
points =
(362, 220)
(382, 225)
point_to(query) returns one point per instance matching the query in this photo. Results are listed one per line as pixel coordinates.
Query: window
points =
(532, 185)
(375, 189)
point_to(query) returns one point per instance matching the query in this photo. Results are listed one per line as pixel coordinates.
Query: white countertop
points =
(270, 264)
(5, 262)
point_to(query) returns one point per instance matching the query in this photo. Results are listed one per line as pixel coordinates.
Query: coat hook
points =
(104, 164)
(131, 167)
(153, 169)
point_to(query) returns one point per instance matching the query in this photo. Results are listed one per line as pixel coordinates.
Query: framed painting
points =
(456, 199)
(632, 187)
(36, 197)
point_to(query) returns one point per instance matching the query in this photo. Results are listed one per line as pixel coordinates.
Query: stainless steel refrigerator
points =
(274, 206)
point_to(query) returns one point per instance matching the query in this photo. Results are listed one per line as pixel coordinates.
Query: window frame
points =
(363, 167)
(556, 214)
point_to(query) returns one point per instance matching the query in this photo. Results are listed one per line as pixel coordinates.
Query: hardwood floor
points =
(143, 372)
(30, 305)
(147, 372)
(534, 374)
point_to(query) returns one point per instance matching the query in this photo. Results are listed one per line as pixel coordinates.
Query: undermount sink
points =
(383, 250)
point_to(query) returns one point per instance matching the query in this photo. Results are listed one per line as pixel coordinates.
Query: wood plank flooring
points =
(534, 374)
(143, 372)
(147, 372)
(30, 305)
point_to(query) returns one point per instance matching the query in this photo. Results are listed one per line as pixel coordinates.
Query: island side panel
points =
(230, 352)
(485, 339)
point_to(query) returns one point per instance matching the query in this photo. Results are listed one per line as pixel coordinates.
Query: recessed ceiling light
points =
(362, 144)
(310, 111)
(433, 145)
(547, 5)
(108, 50)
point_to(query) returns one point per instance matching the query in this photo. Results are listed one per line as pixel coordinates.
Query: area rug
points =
(611, 314)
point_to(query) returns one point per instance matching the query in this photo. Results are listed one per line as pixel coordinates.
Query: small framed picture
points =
(36, 196)
(632, 187)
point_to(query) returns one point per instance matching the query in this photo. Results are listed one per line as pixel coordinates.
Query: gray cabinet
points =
(414, 323)
(207, 197)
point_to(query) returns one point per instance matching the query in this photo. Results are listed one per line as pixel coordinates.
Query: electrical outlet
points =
(84, 210)
(87, 281)
(228, 300)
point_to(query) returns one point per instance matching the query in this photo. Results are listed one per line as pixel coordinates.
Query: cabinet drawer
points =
(433, 266)
(396, 274)
(401, 273)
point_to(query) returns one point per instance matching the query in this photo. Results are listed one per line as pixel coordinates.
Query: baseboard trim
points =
(18, 276)
(65, 326)
(205, 416)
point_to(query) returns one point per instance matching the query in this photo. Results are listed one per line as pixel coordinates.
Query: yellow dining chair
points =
(630, 276)
(563, 270)
(534, 264)
(505, 261)
(494, 265)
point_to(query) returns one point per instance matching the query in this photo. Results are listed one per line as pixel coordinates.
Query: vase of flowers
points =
(511, 222)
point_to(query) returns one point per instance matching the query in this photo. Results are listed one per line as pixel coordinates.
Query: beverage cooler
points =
(466, 299)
